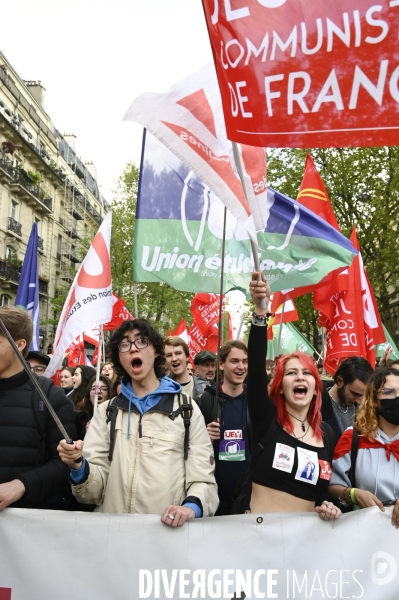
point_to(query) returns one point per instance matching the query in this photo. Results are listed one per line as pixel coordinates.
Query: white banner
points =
(50, 555)
(89, 302)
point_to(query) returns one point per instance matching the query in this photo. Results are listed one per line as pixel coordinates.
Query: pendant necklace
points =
(302, 436)
(300, 420)
(337, 405)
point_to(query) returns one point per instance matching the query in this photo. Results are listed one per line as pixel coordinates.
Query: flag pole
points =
(35, 382)
(237, 159)
(98, 367)
(136, 310)
(220, 305)
(240, 326)
(280, 329)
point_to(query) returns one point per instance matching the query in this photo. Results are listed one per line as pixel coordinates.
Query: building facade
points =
(43, 180)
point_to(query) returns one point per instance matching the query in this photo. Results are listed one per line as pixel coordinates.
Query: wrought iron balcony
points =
(22, 180)
(14, 226)
(6, 166)
(40, 243)
(9, 271)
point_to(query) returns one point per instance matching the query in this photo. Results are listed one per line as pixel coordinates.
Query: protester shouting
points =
(370, 476)
(153, 454)
(291, 449)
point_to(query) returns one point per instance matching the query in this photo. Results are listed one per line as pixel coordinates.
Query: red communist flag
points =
(351, 330)
(291, 76)
(205, 311)
(197, 341)
(313, 194)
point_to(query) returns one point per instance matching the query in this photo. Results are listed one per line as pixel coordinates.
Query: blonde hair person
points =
(375, 476)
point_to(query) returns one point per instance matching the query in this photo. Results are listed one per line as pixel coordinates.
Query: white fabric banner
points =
(51, 555)
(89, 302)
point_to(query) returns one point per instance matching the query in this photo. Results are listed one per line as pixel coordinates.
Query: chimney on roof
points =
(37, 90)
(91, 167)
(71, 140)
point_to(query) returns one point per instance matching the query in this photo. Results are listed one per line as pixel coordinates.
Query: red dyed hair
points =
(314, 414)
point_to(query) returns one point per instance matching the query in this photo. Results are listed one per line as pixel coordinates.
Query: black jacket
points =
(28, 442)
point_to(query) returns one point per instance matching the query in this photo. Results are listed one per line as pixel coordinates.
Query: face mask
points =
(389, 410)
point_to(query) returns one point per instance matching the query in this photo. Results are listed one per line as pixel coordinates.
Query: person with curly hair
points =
(372, 479)
(148, 452)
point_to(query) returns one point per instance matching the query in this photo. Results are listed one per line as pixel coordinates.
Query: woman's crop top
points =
(285, 463)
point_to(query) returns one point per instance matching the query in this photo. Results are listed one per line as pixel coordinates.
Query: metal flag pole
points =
(280, 329)
(240, 326)
(35, 383)
(136, 310)
(220, 304)
(98, 367)
(240, 172)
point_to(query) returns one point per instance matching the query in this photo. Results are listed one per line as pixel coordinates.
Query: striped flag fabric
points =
(28, 286)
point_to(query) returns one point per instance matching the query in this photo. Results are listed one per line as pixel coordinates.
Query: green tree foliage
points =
(363, 185)
(158, 302)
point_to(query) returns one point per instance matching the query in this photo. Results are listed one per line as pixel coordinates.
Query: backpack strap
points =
(185, 410)
(354, 449)
(111, 413)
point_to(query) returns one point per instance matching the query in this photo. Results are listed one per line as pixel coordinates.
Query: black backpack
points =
(185, 410)
(242, 494)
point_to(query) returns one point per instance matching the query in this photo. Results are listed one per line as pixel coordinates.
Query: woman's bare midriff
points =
(268, 500)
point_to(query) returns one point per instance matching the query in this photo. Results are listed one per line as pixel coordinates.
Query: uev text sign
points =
(297, 73)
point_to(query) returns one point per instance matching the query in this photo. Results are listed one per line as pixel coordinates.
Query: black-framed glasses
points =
(103, 388)
(38, 369)
(140, 343)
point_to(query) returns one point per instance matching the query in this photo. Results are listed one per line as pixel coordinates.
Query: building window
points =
(14, 210)
(5, 300)
(39, 226)
(9, 253)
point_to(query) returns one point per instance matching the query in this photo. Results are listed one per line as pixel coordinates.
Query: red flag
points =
(197, 341)
(205, 311)
(57, 380)
(371, 315)
(284, 85)
(119, 314)
(313, 194)
(76, 352)
(181, 330)
(350, 331)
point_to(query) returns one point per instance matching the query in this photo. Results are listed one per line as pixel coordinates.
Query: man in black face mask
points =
(339, 401)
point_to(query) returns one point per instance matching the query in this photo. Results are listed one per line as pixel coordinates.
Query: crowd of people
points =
(241, 434)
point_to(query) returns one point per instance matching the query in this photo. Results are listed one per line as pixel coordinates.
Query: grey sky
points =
(95, 56)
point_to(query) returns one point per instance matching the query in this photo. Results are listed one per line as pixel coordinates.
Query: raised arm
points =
(261, 409)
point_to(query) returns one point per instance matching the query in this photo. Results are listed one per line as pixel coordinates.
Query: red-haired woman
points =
(291, 449)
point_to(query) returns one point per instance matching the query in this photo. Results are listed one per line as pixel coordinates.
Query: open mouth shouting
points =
(137, 364)
(300, 391)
